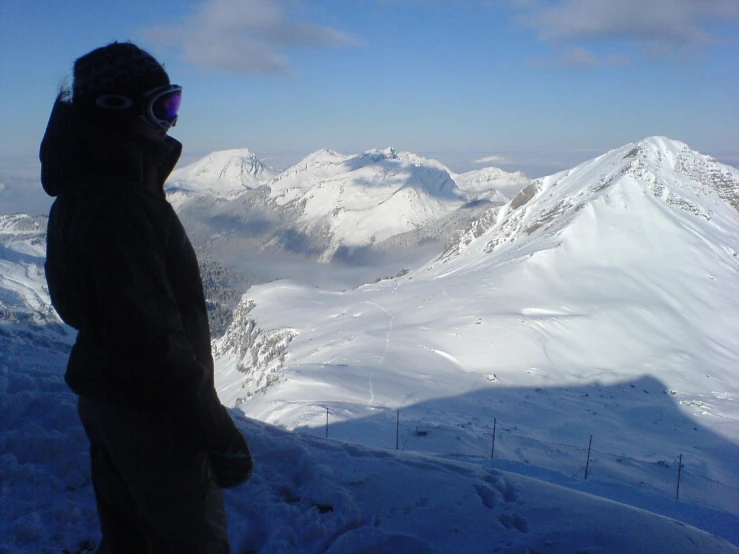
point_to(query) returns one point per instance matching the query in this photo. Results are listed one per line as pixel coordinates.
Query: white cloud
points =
(494, 160)
(245, 36)
(580, 58)
(677, 24)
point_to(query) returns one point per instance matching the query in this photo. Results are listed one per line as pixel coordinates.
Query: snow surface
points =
(601, 301)
(311, 495)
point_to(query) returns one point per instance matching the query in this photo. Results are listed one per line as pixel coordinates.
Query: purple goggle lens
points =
(162, 105)
(166, 106)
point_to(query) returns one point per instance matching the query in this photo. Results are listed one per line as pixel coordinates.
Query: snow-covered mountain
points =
(26, 314)
(491, 182)
(328, 205)
(601, 300)
(669, 174)
(222, 174)
(369, 197)
(622, 269)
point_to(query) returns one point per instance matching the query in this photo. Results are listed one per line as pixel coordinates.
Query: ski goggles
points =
(159, 106)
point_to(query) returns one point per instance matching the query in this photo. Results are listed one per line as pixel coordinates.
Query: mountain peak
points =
(658, 178)
(322, 156)
(668, 161)
(222, 173)
(490, 180)
(377, 154)
(662, 143)
(243, 152)
(365, 198)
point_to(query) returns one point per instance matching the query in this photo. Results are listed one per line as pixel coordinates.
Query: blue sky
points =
(540, 83)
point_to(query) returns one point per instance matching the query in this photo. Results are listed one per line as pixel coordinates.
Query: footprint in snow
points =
(503, 487)
(514, 522)
(487, 495)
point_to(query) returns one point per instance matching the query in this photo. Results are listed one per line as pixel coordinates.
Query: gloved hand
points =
(233, 466)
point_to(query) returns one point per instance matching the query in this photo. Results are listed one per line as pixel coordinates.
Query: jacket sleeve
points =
(135, 316)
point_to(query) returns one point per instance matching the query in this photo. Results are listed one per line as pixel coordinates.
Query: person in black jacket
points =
(121, 270)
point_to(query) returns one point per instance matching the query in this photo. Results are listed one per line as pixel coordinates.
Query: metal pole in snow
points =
(326, 422)
(587, 464)
(492, 452)
(397, 430)
(679, 469)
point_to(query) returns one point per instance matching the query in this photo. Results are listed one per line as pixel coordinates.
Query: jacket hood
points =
(75, 151)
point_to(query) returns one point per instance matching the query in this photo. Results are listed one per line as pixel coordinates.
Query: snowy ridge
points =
(622, 269)
(259, 354)
(329, 206)
(323, 156)
(21, 224)
(226, 173)
(369, 197)
(331, 203)
(657, 167)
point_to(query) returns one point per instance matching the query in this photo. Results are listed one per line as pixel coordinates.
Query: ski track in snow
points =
(24, 286)
(445, 355)
(389, 332)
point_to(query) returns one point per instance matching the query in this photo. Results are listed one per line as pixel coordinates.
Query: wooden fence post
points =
(492, 452)
(587, 463)
(679, 469)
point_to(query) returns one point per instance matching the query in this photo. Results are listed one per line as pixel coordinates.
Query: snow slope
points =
(312, 495)
(26, 314)
(600, 300)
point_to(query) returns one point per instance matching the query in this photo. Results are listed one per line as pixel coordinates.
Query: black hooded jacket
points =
(121, 270)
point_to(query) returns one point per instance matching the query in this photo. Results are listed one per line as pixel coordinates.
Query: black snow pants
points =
(155, 490)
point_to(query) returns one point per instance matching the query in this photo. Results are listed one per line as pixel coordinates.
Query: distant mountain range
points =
(330, 205)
